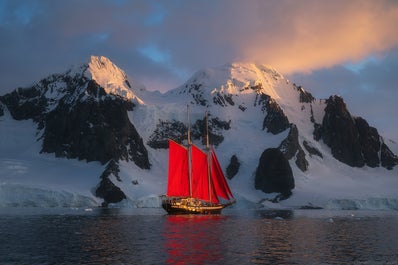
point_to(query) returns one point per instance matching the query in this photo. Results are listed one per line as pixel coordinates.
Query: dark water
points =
(121, 236)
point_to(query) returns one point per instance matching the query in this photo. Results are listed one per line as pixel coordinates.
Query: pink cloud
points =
(308, 35)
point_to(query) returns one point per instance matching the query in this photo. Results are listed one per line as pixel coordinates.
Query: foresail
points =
(220, 185)
(178, 180)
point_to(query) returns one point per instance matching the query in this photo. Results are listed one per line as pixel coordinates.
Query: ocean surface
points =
(149, 236)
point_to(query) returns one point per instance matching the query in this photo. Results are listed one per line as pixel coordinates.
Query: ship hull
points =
(190, 206)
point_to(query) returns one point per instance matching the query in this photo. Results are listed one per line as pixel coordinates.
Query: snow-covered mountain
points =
(92, 135)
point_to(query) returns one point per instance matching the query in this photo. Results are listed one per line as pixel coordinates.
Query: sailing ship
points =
(196, 183)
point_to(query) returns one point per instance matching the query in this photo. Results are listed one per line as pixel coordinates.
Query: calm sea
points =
(148, 236)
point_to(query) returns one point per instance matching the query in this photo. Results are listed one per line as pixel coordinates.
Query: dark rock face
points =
(305, 96)
(233, 167)
(274, 173)
(388, 158)
(95, 131)
(195, 89)
(177, 131)
(301, 161)
(290, 147)
(165, 130)
(82, 121)
(369, 141)
(106, 189)
(223, 99)
(317, 131)
(312, 150)
(25, 104)
(275, 121)
(352, 140)
(340, 133)
(215, 127)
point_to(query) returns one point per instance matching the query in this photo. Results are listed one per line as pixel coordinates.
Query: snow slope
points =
(29, 178)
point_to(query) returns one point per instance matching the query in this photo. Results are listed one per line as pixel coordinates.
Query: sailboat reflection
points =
(194, 239)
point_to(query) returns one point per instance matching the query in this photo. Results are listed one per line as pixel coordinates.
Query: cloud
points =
(178, 38)
(290, 35)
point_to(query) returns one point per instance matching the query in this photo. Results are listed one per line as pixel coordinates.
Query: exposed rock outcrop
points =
(369, 141)
(215, 128)
(1, 109)
(351, 139)
(275, 121)
(106, 189)
(26, 103)
(79, 119)
(290, 147)
(311, 149)
(95, 130)
(177, 131)
(305, 96)
(340, 133)
(388, 158)
(165, 130)
(233, 167)
(223, 99)
(274, 173)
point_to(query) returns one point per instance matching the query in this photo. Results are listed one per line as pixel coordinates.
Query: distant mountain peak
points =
(113, 79)
(234, 80)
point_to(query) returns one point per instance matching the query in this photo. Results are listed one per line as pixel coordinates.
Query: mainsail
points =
(200, 178)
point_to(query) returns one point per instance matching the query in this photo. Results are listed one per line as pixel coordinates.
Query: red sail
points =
(200, 179)
(178, 183)
(218, 179)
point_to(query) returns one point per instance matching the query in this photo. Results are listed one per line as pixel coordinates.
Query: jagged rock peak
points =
(113, 79)
(351, 139)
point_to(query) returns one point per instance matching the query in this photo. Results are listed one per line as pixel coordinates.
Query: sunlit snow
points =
(112, 78)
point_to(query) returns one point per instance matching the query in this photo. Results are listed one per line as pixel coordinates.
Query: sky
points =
(344, 47)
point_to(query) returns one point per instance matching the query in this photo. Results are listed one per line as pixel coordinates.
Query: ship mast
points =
(189, 153)
(208, 157)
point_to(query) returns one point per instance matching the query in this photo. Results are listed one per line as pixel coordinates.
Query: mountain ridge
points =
(93, 113)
